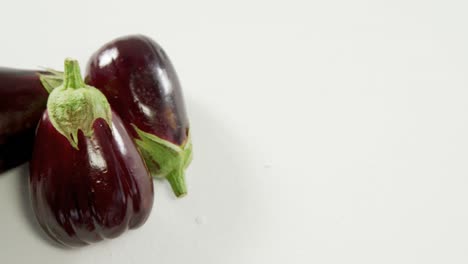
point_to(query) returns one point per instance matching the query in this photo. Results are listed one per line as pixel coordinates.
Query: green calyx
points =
(75, 106)
(165, 159)
(51, 79)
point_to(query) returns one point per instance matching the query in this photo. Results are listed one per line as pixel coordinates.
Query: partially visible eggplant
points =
(141, 84)
(23, 97)
(87, 179)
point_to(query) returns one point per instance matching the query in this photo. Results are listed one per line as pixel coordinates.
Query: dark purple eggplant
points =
(23, 98)
(87, 178)
(139, 80)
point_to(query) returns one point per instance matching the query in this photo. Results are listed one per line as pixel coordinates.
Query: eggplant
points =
(87, 179)
(23, 98)
(141, 84)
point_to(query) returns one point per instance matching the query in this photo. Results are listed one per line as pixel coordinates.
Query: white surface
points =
(324, 131)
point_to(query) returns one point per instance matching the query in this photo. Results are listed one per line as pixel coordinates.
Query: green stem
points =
(177, 181)
(75, 106)
(72, 75)
(165, 159)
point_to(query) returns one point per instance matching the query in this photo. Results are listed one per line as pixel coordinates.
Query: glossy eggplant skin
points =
(22, 102)
(141, 85)
(97, 191)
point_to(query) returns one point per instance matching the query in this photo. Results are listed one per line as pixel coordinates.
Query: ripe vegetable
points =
(138, 79)
(87, 179)
(23, 97)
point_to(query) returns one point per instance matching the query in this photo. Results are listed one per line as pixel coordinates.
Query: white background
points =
(324, 131)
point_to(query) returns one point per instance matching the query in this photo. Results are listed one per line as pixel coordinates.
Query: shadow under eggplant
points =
(16, 150)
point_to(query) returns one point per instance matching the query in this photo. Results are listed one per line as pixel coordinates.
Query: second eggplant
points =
(141, 84)
(23, 98)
